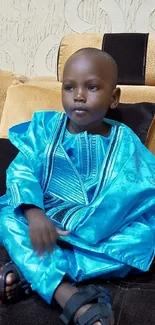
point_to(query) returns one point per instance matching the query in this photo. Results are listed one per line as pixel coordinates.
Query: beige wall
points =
(30, 30)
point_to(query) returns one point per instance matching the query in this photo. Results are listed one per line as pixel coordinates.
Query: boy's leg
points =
(44, 273)
(66, 291)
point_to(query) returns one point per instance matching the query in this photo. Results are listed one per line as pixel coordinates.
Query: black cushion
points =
(7, 153)
(129, 51)
(137, 116)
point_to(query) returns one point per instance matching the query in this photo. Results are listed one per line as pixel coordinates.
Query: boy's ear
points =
(115, 98)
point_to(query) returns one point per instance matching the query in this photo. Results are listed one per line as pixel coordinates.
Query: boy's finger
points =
(62, 232)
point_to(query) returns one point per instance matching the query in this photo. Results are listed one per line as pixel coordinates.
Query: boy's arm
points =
(23, 182)
(25, 172)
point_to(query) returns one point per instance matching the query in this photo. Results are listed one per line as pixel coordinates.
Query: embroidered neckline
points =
(69, 134)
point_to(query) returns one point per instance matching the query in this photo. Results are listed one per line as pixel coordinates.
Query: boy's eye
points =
(92, 87)
(68, 88)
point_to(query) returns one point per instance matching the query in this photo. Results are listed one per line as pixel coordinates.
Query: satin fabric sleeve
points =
(24, 173)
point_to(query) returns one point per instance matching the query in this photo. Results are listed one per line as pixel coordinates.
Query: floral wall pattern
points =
(31, 30)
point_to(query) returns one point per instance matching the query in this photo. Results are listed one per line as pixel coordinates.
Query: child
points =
(80, 196)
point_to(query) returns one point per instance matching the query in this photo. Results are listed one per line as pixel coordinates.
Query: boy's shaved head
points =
(105, 62)
(89, 89)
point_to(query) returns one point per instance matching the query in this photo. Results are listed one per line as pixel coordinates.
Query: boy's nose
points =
(79, 96)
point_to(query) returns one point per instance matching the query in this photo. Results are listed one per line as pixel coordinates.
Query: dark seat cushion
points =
(133, 303)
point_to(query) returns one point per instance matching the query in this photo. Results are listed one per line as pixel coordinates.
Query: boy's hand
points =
(43, 232)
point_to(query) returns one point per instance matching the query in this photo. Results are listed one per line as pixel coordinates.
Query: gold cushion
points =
(24, 99)
(72, 43)
(6, 79)
(150, 141)
(150, 61)
(137, 94)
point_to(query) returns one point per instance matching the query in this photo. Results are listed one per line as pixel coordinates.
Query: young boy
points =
(80, 199)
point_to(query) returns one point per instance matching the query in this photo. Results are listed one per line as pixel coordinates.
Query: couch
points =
(20, 96)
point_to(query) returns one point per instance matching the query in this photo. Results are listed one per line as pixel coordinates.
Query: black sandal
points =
(23, 288)
(100, 311)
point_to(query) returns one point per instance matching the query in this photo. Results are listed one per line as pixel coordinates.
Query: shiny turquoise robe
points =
(101, 189)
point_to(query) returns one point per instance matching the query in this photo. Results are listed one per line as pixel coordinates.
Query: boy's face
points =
(88, 89)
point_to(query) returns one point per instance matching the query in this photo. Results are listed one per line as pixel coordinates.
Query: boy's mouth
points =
(80, 109)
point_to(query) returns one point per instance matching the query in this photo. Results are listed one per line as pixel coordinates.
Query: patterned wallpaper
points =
(30, 30)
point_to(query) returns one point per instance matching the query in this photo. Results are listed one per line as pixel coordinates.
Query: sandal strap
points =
(104, 297)
(81, 298)
(12, 268)
(95, 313)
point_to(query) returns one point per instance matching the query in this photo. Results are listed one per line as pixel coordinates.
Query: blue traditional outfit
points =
(100, 189)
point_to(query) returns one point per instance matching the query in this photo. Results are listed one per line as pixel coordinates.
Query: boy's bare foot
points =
(83, 309)
(11, 285)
